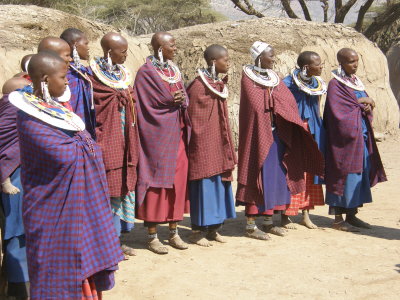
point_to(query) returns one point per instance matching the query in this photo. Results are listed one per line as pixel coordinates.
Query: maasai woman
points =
(353, 163)
(212, 156)
(14, 259)
(72, 247)
(164, 130)
(275, 149)
(116, 130)
(307, 87)
(78, 81)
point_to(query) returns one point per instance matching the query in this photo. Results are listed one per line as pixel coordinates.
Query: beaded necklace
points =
(309, 88)
(270, 79)
(202, 73)
(353, 82)
(118, 78)
(170, 66)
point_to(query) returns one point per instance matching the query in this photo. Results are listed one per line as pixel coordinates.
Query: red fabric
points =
(252, 210)
(211, 149)
(89, 290)
(67, 105)
(257, 103)
(312, 196)
(168, 205)
(120, 150)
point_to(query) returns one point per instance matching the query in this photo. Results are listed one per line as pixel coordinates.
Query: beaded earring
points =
(76, 57)
(160, 55)
(304, 72)
(213, 71)
(45, 91)
(109, 64)
(340, 71)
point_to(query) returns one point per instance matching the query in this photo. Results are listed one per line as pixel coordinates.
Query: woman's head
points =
(77, 38)
(311, 62)
(116, 47)
(218, 56)
(50, 69)
(164, 42)
(348, 59)
(263, 55)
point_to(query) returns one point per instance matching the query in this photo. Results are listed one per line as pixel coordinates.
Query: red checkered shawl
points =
(255, 139)
(9, 145)
(345, 142)
(211, 150)
(159, 124)
(119, 151)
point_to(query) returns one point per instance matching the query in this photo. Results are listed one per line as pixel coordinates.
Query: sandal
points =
(274, 230)
(257, 234)
(157, 247)
(128, 250)
(176, 242)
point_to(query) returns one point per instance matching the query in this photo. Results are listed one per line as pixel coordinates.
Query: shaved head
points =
(160, 38)
(44, 63)
(24, 62)
(53, 44)
(214, 52)
(72, 35)
(344, 54)
(14, 84)
(305, 58)
(112, 40)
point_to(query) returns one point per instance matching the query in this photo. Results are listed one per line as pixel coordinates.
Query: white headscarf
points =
(258, 48)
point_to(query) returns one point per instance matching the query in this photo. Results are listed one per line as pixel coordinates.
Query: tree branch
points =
(304, 7)
(361, 14)
(343, 10)
(390, 15)
(325, 7)
(289, 11)
(247, 8)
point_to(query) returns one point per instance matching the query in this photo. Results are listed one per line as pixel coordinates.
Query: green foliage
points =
(136, 16)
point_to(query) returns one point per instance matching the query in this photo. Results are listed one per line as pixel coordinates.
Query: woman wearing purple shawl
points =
(72, 247)
(353, 163)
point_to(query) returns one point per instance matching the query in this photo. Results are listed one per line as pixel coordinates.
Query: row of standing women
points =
(77, 141)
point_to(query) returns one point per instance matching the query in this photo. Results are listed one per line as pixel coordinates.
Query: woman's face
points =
(57, 81)
(350, 63)
(169, 49)
(119, 53)
(222, 63)
(314, 68)
(82, 46)
(267, 59)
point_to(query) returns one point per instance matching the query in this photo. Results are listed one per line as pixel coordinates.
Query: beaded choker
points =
(223, 94)
(51, 113)
(119, 78)
(352, 82)
(317, 86)
(271, 79)
(170, 66)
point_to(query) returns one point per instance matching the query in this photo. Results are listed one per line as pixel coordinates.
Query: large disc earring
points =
(76, 58)
(160, 55)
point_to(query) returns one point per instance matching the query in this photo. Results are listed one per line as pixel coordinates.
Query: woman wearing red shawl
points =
(275, 148)
(307, 88)
(353, 163)
(164, 131)
(212, 155)
(71, 246)
(13, 237)
(116, 130)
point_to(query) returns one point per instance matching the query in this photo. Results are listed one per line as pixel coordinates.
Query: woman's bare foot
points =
(176, 242)
(8, 188)
(306, 221)
(198, 238)
(157, 247)
(257, 234)
(344, 226)
(215, 236)
(287, 223)
(128, 250)
(274, 230)
(353, 220)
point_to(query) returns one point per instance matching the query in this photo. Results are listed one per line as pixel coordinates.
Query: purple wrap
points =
(345, 142)
(9, 146)
(66, 210)
(159, 131)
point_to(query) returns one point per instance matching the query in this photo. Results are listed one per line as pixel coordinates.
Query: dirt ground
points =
(307, 264)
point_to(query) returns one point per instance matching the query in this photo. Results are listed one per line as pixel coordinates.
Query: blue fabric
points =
(357, 190)
(308, 106)
(211, 201)
(14, 234)
(276, 191)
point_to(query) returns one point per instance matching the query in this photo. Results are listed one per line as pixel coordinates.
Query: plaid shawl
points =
(66, 210)
(159, 131)
(81, 97)
(120, 151)
(255, 139)
(345, 142)
(211, 150)
(9, 146)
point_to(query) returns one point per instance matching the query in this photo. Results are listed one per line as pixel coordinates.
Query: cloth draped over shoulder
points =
(9, 145)
(211, 148)
(81, 97)
(120, 149)
(159, 124)
(255, 139)
(345, 142)
(66, 210)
